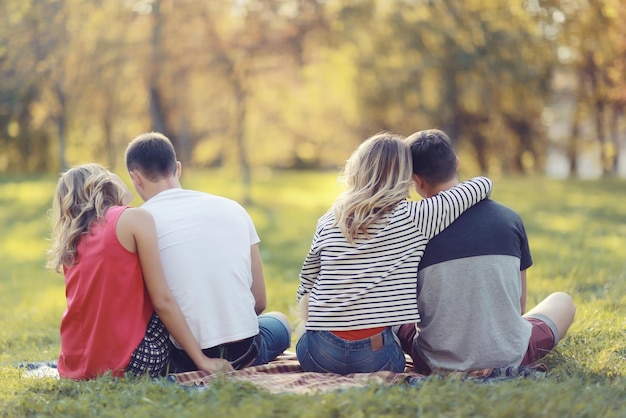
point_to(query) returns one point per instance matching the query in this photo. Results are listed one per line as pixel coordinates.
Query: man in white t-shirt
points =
(210, 254)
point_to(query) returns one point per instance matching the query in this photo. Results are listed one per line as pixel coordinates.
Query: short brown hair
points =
(152, 154)
(433, 155)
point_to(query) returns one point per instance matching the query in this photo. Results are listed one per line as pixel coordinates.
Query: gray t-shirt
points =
(469, 291)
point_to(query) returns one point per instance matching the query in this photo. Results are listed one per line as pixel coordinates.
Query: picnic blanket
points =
(284, 375)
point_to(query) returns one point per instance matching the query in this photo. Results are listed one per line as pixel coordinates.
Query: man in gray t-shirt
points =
(472, 282)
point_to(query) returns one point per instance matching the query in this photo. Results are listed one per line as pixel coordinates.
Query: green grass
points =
(577, 232)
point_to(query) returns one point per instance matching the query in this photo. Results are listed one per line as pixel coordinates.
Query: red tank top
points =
(108, 307)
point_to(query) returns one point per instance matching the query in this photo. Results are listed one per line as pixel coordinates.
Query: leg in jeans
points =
(322, 351)
(274, 336)
(236, 352)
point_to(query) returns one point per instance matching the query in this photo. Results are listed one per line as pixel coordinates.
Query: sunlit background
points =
(523, 86)
(264, 101)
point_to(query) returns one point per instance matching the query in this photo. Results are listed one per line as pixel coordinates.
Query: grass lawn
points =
(577, 233)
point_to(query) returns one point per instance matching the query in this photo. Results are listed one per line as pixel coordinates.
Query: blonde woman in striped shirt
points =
(360, 275)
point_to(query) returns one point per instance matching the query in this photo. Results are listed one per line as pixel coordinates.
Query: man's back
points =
(469, 291)
(205, 242)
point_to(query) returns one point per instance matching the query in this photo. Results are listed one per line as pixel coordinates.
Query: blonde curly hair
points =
(377, 177)
(83, 195)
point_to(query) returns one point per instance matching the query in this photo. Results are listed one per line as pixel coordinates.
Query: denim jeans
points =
(274, 338)
(323, 351)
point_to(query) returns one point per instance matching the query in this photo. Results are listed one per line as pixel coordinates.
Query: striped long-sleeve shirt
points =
(373, 282)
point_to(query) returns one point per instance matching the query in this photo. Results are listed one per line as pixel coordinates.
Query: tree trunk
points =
(240, 138)
(109, 151)
(613, 157)
(450, 104)
(61, 126)
(572, 148)
(601, 135)
(158, 116)
(480, 147)
(185, 141)
(157, 112)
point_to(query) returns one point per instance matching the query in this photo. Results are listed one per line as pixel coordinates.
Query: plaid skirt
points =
(152, 355)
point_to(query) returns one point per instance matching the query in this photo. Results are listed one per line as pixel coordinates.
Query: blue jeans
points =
(323, 351)
(274, 337)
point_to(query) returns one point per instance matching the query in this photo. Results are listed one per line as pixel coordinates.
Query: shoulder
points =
(215, 200)
(326, 224)
(229, 202)
(326, 221)
(489, 212)
(136, 216)
(498, 207)
(327, 217)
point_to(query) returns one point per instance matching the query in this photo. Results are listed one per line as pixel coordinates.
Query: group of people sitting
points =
(177, 284)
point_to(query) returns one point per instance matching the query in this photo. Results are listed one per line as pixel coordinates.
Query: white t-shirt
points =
(205, 242)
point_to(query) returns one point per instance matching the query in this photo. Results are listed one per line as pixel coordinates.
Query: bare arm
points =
(523, 297)
(258, 280)
(141, 225)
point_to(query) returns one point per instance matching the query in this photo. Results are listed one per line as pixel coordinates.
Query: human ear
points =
(420, 185)
(136, 178)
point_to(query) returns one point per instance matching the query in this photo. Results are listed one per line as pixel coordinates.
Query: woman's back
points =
(108, 305)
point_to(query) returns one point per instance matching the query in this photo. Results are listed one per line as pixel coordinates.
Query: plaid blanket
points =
(284, 375)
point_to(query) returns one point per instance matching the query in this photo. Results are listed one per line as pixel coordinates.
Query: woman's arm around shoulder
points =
(141, 225)
(439, 211)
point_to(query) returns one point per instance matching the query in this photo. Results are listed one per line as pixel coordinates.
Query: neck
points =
(154, 188)
(441, 187)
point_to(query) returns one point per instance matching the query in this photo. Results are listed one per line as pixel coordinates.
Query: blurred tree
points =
(105, 55)
(592, 40)
(49, 77)
(158, 60)
(297, 83)
(478, 70)
(59, 64)
(23, 46)
(248, 40)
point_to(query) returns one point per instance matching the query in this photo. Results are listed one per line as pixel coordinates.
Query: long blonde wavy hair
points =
(377, 176)
(82, 196)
